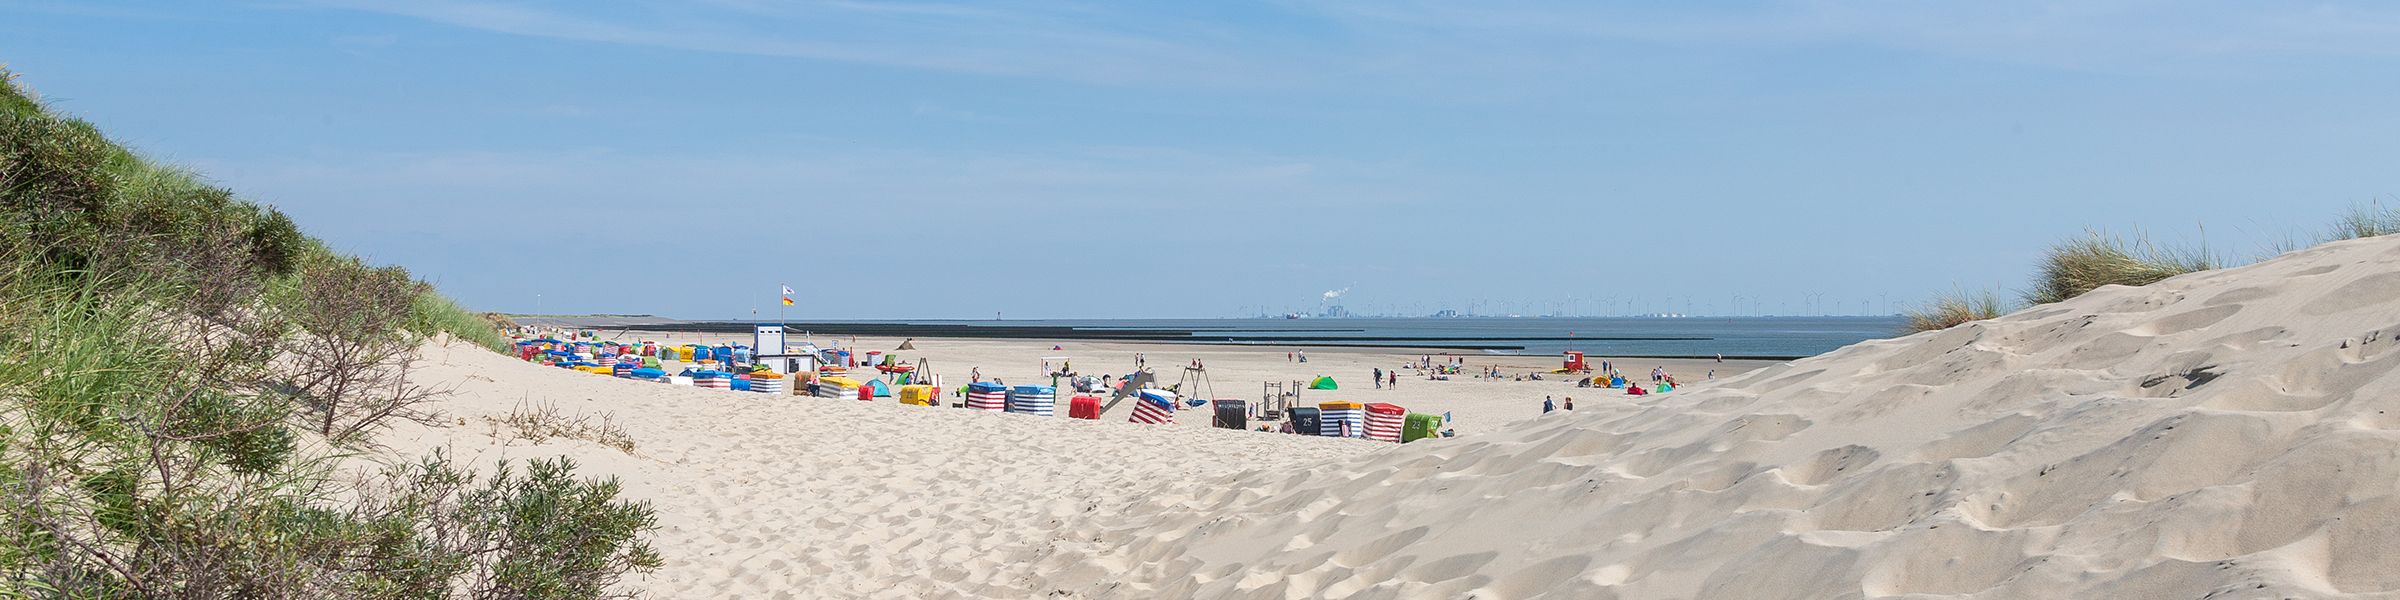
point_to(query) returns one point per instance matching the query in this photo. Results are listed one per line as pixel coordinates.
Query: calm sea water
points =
(1731, 336)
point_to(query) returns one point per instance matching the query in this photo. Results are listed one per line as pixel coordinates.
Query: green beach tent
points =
(1323, 383)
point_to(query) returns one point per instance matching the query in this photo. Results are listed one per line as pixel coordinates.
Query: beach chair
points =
(1231, 414)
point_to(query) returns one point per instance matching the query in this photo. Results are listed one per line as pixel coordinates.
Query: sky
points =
(1034, 159)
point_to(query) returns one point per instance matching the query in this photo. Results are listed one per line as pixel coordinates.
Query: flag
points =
(787, 295)
(787, 300)
(787, 290)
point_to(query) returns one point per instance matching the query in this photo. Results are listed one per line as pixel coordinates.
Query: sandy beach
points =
(1476, 404)
(1223, 301)
(2219, 432)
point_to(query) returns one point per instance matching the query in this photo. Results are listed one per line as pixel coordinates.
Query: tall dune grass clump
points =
(2095, 259)
(1956, 308)
(2364, 221)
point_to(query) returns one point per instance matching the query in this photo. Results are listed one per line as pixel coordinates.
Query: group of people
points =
(1548, 406)
(1382, 378)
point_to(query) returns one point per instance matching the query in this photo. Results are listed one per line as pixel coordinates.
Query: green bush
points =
(155, 351)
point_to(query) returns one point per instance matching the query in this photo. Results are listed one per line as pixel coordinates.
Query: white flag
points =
(787, 290)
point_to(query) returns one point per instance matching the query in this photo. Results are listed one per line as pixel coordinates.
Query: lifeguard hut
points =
(1574, 363)
(768, 343)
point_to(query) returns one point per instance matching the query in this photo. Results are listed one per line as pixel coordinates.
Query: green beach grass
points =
(162, 375)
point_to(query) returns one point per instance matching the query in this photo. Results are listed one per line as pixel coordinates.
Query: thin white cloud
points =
(367, 41)
(2076, 34)
(937, 111)
(1073, 178)
(1059, 44)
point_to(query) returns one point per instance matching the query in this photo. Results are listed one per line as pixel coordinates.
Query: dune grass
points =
(2364, 221)
(1956, 308)
(2084, 263)
(2095, 259)
(432, 313)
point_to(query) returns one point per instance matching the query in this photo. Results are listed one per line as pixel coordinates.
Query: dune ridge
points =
(2225, 433)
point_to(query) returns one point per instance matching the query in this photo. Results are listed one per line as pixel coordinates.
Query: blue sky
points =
(1163, 159)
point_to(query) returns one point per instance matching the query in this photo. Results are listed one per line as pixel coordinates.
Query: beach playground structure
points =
(1277, 400)
(1194, 383)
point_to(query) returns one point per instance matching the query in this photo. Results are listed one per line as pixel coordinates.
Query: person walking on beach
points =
(975, 375)
(1287, 356)
(1379, 378)
(1547, 406)
(1395, 380)
(1137, 360)
(1304, 356)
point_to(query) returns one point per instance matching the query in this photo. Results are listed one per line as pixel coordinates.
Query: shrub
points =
(2082, 264)
(541, 533)
(349, 365)
(148, 445)
(1956, 308)
(539, 423)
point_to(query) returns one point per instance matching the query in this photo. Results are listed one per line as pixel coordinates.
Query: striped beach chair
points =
(1384, 422)
(1153, 409)
(715, 380)
(1036, 400)
(1342, 419)
(837, 388)
(987, 396)
(766, 383)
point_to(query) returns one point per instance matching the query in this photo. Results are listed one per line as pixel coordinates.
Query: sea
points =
(1763, 337)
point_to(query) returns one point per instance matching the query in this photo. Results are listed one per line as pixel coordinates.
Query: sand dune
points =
(2222, 434)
